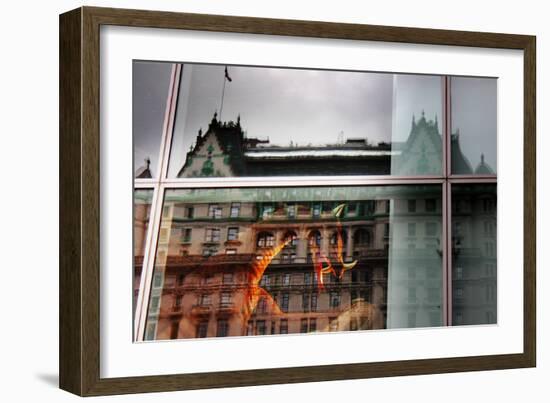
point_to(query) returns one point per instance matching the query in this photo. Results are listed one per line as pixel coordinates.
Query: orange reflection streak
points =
(340, 243)
(321, 266)
(319, 258)
(254, 291)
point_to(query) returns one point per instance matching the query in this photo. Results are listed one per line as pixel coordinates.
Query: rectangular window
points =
(214, 211)
(209, 251)
(313, 302)
(284, 302)
(186, 235)
(225, 299)
(312, 325)
(155, 302)
(157, 280)
(291, 211)
(305, 302)
(334, 300)
(264, 281)
(304, 325)
(212, 235)
(150, 331)
(235, 210)
(205, 300)
(286, 280)
(260, 327)
(233, 234)
(190, 212)
(316, 211)
(222, 329)
(202, 329)
(411, 206)
(265, 240)
(283, 326)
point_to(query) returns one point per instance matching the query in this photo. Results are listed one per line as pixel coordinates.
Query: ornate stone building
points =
(383, 248)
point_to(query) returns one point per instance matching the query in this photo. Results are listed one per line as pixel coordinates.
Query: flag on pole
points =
(227, 75)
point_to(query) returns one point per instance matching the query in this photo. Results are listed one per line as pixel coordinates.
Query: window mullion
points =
(148, 264)
(142, 303)
(446, 151)
(447, 256)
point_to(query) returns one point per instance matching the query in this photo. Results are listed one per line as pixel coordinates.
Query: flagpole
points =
(226, 78)
(223, 93)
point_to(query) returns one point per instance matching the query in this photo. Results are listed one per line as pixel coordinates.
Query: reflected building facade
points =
(384, 246)
(474, 234)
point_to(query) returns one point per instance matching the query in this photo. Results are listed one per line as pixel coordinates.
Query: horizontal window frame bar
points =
(271, 181)
(146, 185)
(264, 182)
(473, 180)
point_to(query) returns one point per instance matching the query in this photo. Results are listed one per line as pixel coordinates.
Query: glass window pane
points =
(142, 211)
(257, 121)
(150, 83)
(474, 229)
(341, 268)
(474, 125)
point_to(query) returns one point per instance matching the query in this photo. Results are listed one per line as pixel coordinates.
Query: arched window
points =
(361, 237)
(334, 238)
(314, 238)
(265, 240)
(291, 235)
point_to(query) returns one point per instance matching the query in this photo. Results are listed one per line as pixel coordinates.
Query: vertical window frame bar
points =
(446, 208)
(142, 303)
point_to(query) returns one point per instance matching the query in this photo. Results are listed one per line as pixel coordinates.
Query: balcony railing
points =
(201, 310)
(210, 260)
(227, 307)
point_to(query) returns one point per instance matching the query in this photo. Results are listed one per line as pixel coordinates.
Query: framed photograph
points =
(251, 201)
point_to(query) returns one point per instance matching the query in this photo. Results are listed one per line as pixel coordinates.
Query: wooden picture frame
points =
(80, 200)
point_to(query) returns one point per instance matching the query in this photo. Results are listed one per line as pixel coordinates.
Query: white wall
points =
(29, 151)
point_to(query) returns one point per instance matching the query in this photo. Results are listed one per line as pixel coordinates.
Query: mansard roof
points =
(256, 157)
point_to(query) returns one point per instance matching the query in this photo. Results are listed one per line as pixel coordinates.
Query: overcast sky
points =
(474, 112)
(303, 106)
(150, 83)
